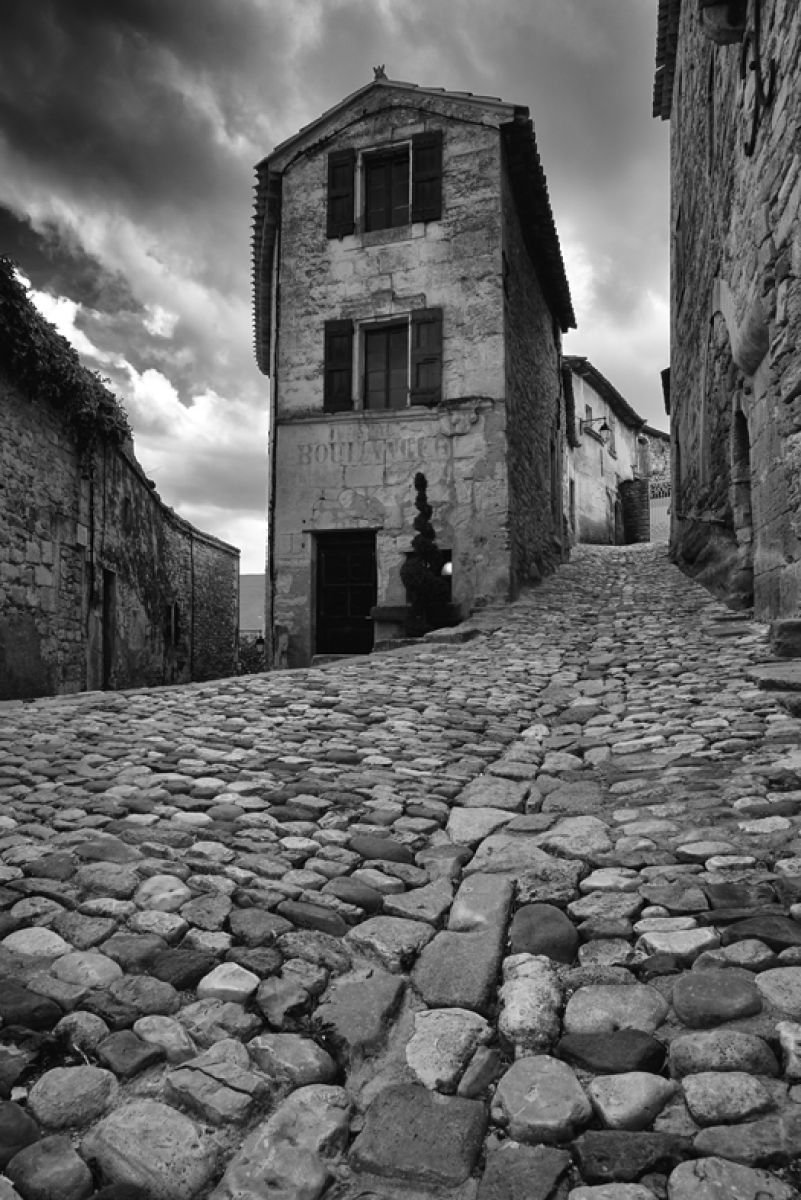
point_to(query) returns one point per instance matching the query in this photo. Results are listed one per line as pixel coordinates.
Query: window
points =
(587, 412)
(172, 625)
(399, 185)
(386, 354)
(401, 363)
(386, 190)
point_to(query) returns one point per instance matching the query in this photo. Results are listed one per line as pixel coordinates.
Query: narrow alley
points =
(510, 914)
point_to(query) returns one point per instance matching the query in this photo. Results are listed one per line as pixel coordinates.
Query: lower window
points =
(386, 366)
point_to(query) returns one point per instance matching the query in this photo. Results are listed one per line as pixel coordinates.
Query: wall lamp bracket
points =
(588, 422)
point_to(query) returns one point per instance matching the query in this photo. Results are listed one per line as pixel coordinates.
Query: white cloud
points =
(159, 321)
(61, 312)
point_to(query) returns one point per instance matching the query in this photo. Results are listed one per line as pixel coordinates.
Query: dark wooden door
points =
(346, 591)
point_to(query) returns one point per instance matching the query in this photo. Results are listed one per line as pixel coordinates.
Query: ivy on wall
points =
(44, 364)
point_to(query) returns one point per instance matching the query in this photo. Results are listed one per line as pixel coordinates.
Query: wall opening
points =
(741, 484)
(346, 592)
(109, 626)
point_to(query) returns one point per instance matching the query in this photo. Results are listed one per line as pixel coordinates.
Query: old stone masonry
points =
(512, 917)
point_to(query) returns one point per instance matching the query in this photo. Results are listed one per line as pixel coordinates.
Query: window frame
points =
(382, 164)
(373, 331)
(345, 360)
(347, 194)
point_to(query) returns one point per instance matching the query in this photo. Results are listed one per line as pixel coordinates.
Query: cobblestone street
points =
(515, 917)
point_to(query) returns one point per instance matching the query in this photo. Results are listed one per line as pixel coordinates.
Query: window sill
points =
(420, 412)
(384, 237)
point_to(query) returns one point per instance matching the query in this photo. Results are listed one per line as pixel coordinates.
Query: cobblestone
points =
(449, 911)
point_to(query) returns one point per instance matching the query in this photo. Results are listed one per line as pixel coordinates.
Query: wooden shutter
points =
(338, 366)
(341, 175)
(427, 176)
(425, 384)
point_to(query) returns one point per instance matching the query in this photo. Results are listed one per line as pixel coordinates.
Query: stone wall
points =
(352, 470)
(535, 412)
(453, 263)
(101, 585)
(658, 457)
(356, 471)
(736, 313)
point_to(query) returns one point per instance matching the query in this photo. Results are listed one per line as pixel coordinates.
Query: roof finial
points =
(379, 72)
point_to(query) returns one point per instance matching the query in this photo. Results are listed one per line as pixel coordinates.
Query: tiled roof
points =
(620, 407)
(529, 183)
(667, 29)
(395, 85)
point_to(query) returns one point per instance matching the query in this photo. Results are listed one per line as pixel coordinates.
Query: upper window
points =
(397, 363)
(386, 189)
(398, 185)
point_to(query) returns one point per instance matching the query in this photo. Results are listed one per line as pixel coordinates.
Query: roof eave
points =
(530, 188)
(582, 366)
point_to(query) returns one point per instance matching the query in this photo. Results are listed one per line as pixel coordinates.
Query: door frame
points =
(321, 536)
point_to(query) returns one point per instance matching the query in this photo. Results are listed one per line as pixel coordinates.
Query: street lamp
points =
(587, 422)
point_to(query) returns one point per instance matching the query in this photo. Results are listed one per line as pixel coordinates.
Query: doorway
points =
(109, 627)
(346, 591)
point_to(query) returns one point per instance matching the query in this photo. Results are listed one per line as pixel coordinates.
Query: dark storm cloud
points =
(55, 261)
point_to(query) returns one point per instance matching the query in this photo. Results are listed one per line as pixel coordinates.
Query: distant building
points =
(410, 298)
(251, 605)
(101, 584)
(608, 460)
(727, 78)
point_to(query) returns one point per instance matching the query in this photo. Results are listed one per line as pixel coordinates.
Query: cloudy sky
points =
(128, 134)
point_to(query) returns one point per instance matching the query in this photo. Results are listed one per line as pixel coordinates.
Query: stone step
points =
(776, 676)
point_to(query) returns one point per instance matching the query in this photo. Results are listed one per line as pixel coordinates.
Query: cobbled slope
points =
(510, 918)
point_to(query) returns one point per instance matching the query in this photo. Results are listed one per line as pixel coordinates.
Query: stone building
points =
(608, 461)
(410, 298)
(727, 78)
(101, 584)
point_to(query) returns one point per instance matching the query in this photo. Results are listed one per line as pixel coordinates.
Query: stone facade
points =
(600, 464)
(473, 288)
(101, 584)
(735, 295)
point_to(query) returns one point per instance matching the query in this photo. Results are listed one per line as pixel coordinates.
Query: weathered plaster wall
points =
(356, 471)
(453, 263)
(736, 316)
(90, 559)
(535, 411)
(598, 467)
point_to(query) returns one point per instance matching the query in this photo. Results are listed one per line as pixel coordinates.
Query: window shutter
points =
(338, 367)
(425, 384)
(427, 176)
(341, 174)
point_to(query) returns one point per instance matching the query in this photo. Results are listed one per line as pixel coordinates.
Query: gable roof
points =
(620, 407)
(528, 183)
(667, 32)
